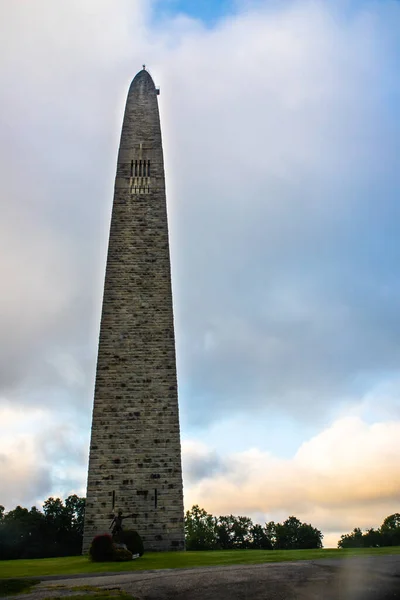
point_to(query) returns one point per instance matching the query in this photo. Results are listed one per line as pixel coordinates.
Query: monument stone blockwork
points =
(135, 451)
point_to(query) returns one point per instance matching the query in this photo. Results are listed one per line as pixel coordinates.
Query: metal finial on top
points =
(144, 66)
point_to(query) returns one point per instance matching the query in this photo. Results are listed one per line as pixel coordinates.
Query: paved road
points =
(367, 578)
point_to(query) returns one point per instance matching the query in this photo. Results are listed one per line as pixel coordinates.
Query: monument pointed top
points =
(143, 77)
(143, 73)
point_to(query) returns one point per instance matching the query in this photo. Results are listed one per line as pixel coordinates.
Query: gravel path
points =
(367, 578)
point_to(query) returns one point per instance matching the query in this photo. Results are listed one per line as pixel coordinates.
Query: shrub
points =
(102, 549)
(133, 541)
(121, 554)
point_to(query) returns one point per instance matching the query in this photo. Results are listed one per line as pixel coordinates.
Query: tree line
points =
(203, 531)
(57, 531)
(388, 534)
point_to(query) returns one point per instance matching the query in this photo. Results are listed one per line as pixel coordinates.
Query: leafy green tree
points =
(65, 524)
(20, 529)
(287, 534)
(351, 540)
(372, 538)
(57, 520)
(227, 532)
(392, 522)
(390, 530)
(242, 532)
(200, 529)
(233, 532)
(57, 531)
(308, 537)
(75, 508)
(387, 535)
(259, 538)
(270, 530)
(292, 534)
(224, 532)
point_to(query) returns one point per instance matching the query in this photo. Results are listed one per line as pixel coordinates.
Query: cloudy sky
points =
(282, 147)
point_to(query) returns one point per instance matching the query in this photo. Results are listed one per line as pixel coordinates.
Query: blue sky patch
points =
(208, 11)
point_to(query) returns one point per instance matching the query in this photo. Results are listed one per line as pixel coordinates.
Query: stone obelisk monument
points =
(135, 452)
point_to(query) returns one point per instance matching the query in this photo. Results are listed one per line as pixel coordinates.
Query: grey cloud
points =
(200, 466)
(281, 147)
(25, 491)
(57, 173)
(285, 250)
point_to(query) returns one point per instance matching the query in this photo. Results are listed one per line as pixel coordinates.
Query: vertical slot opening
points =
(144, 168)
(135, 168)
(148, 168)
(155, 498)
(113, 499)
(131, 168)
(140, 168)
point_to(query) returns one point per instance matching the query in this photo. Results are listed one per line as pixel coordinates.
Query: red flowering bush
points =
(102, 548)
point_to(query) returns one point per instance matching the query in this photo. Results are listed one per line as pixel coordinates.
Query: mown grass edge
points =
(80, 565)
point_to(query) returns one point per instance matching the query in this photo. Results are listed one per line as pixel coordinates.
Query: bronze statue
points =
(117, 523)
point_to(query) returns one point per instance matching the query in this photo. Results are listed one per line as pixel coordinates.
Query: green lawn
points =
(10, 587)
(173, 560)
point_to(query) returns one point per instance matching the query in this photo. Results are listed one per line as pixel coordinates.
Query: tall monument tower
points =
(135, 452)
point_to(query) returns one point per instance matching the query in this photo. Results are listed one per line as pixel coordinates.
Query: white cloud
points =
(344, 477)
(41, 454)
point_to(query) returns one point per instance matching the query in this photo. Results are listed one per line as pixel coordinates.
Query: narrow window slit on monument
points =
(135, 168)
(155, 498)
(131, 168)
(148, 168)
(140, 168)
(144, 168)
(113, 499)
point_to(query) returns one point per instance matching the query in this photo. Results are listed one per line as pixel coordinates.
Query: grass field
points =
(12, 587)
(173, 560)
